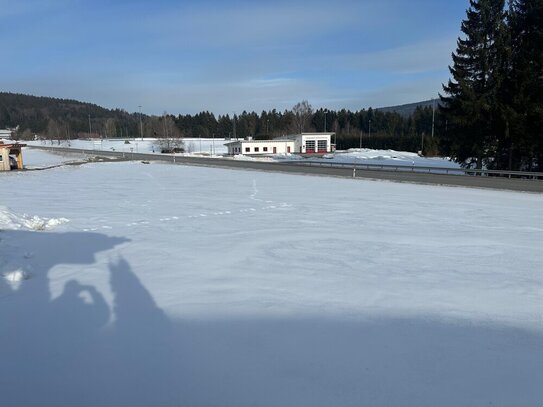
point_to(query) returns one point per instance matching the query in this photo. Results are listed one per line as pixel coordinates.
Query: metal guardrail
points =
(311, 163)
(425, 169)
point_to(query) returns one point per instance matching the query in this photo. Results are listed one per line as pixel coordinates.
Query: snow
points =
(207, 146)
(216, 148)
(33, 158)
(16, 276)
(178, 285)
(10, 220)
(391, 157)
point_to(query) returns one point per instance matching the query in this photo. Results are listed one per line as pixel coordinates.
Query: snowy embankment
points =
(34, 159)
(179, 285)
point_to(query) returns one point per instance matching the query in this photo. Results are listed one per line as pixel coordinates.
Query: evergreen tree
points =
(471, 96)
(527, 83)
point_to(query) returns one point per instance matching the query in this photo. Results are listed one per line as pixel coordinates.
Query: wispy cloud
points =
(425, 56)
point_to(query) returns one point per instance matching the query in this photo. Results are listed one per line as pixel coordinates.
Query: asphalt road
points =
(498, 183)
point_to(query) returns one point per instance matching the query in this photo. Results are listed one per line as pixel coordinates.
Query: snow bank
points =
(392, 157)
(16, 276)
(12, 221)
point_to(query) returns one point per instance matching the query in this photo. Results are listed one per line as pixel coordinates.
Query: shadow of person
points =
(49, 340)
(82, 307)
(141, 347)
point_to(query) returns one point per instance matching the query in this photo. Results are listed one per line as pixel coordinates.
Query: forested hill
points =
(67, 119)
(64, 116)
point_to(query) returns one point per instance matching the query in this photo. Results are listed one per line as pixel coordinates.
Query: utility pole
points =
(90, 128)
(141, 125)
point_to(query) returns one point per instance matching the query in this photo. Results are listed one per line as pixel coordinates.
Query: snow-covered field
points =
(208, 146)
(155, 285)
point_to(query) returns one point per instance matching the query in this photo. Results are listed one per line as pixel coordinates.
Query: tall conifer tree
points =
(471, 96)
(527, 83)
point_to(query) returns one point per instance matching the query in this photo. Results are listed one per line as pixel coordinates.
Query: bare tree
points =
(169, 139)
(302, 114)
(111, 128)
(53, 130)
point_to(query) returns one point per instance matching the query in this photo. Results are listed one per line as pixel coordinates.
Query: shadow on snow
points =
(75, 350)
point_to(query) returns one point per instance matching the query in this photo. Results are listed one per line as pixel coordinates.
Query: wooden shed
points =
(11, 156)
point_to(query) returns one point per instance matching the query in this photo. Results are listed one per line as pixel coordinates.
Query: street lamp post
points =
(141, 125)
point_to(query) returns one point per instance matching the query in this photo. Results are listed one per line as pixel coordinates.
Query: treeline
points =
(493, 104)
(60, 118)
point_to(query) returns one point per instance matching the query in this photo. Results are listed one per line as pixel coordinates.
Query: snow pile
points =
(392, 157)
(10, 220)
(242, 157)
(16, 276)
(369, 154)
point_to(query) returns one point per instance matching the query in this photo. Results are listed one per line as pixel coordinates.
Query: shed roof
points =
(12, 145)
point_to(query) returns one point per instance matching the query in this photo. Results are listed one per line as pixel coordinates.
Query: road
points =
(498, 183)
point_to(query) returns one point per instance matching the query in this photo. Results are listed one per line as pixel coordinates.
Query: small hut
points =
(11, 156)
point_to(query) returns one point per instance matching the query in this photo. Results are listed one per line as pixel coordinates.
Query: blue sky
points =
(228, 56)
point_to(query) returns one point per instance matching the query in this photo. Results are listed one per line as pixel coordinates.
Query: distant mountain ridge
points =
(409, 108)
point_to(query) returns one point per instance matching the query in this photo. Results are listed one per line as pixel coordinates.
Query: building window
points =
(265, 149)
(256, 150)
(247, 149)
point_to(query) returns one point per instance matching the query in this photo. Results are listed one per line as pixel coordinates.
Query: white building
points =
(260, 147)
(305, 143)
(5, 134)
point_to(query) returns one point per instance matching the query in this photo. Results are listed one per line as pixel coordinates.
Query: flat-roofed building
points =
(305, 143)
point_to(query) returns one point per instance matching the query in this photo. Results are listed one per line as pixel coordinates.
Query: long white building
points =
(5, 134)
(305, 143)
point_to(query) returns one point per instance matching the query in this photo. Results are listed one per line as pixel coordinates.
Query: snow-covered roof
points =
(259, 141)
